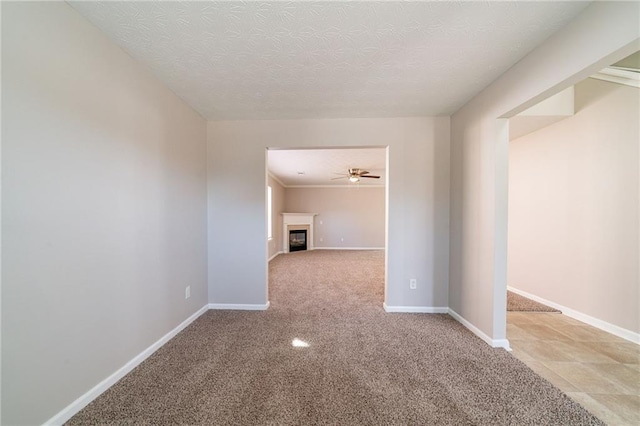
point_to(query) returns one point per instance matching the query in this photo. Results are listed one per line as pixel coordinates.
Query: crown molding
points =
(336, 186)
(617, 75)
(352, 185)
(277, 180)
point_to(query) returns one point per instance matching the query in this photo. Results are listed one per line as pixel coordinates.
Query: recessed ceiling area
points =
(631, 62)
(320, 167)
(280, 60)
(562, 105)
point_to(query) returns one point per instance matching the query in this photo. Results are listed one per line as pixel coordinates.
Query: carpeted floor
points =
(517, 303)
(361, 366)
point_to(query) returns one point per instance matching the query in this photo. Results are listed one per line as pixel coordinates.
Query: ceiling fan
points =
(354, 175)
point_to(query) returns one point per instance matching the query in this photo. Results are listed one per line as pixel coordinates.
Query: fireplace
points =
(296, 223)
(297, 240)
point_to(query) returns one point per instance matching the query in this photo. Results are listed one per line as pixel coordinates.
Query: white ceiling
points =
(321, 165)
(274, 60)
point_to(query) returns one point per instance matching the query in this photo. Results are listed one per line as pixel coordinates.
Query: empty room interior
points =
(373, 213)
(572, 199)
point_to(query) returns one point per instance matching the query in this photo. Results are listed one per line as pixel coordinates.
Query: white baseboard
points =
(272, 257)
(416, 309)
(349, 248)
(77, 405)
(587, 319)
(239, 307)
(494, 343)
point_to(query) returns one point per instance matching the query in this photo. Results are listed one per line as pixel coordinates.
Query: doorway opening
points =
(329, 199)
(573, 161)
(573, 201)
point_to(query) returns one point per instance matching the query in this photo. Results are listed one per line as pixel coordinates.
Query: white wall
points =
(603, 33)
(104, 209)
(277, 206)
(418, 201)
(573, 207)
(347, 217)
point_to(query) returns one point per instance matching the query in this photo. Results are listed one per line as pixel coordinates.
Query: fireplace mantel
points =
(297, 219)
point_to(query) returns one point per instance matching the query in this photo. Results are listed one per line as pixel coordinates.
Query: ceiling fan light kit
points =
(354, 175)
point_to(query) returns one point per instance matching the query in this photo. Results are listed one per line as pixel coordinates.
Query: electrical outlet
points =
(320, 222)
(342, 239)
(187, 292)
(321, 239)
(413, 283)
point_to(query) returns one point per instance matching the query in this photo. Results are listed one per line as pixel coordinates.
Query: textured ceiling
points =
(321, 165)
(273, 60)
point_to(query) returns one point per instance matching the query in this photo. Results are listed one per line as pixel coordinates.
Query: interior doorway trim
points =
(501, 181)
(310, 239)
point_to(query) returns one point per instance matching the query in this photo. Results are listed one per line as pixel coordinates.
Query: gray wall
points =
(277, 205)
(104, 209)
(604, 33)
(347, 217)
(418, 234)
(573, 207)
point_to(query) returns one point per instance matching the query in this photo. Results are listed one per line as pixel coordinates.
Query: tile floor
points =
(597, 369)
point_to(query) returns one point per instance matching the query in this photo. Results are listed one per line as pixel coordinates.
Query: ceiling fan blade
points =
(363, 172)
(372, 177)
(341, 177)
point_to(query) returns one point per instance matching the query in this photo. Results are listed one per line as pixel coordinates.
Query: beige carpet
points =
(362, 365)
(517, 303)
